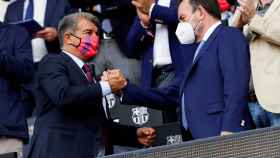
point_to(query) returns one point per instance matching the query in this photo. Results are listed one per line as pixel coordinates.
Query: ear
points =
(67, 38)
(201, 12)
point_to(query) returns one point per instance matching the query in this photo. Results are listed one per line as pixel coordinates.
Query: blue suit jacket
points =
(216, 85)
(140, 44)
(55, 11)
(71, 117)
(16, 68)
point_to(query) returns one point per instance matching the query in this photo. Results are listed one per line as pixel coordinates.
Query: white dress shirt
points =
(38, 44)
(161, 52)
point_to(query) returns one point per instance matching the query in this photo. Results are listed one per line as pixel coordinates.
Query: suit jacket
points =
(16, 67)
(265, 57)
(215, 87)
(140, 43)
(71, 118)
(55, 11)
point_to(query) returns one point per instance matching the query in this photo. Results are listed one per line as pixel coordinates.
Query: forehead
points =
(184, 7)
(85, 24)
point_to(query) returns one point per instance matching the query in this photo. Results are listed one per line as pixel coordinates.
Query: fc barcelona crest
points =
(140, 115)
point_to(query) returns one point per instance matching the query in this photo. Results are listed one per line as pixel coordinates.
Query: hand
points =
(116, 80)
(247, 9)
(143, 5)
(144, 18)
(224, 133)
(48, 33)
(104, 76)
(146, 136)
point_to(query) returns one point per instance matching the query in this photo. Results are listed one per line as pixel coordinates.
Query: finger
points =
(136, 4)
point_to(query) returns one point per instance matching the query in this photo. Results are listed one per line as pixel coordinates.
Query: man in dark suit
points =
(214, 88)
(16, 68)
(214, 91)
(73, 121)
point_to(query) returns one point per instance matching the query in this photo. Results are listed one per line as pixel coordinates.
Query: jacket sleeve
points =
(136, 39)
(165, 15)
(235, 68)
(54, 79)
(18, 63)
(162, 98)
(267, 26)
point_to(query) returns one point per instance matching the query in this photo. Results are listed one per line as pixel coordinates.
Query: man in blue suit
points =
(16, 68)
(152, 38)
(73, 120)
(214, 90)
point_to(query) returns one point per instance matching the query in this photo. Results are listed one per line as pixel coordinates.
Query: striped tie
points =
(88, 73)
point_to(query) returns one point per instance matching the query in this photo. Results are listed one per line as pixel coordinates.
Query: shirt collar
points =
(77, 60)
(210, 31)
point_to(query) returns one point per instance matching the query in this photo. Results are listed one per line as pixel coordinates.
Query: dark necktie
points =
(29, 11)
(88, 73)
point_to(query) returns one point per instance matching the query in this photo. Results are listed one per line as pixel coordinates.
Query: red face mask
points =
(88, 46)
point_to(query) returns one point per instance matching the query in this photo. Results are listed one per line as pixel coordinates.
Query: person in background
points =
(259, 19)
(47, 13)
(16, 68)
(73, 121)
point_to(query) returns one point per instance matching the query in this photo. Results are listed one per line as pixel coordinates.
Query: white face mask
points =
(185, 33)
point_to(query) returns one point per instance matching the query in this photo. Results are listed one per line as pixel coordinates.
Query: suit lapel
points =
(49, 11)
(75, 67)
(201, 53)
(207, 43)
(19, 10)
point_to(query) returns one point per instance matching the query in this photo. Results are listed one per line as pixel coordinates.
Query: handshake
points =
(115, 78)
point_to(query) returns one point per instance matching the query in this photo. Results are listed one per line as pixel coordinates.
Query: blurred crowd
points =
(212, 65)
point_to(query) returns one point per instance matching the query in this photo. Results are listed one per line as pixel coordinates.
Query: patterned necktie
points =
(29, 11)
(88, 73)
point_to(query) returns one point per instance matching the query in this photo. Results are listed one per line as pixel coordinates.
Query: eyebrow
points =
(89, 30)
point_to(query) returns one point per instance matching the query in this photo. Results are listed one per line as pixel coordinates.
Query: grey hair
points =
(70, 22)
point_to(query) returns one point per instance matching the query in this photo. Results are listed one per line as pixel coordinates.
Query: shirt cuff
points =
(105, 87)
(151, 9)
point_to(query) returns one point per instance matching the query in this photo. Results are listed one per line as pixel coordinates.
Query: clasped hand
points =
(115, 78)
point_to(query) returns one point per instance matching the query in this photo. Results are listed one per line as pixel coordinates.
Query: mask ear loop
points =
(80, 40)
